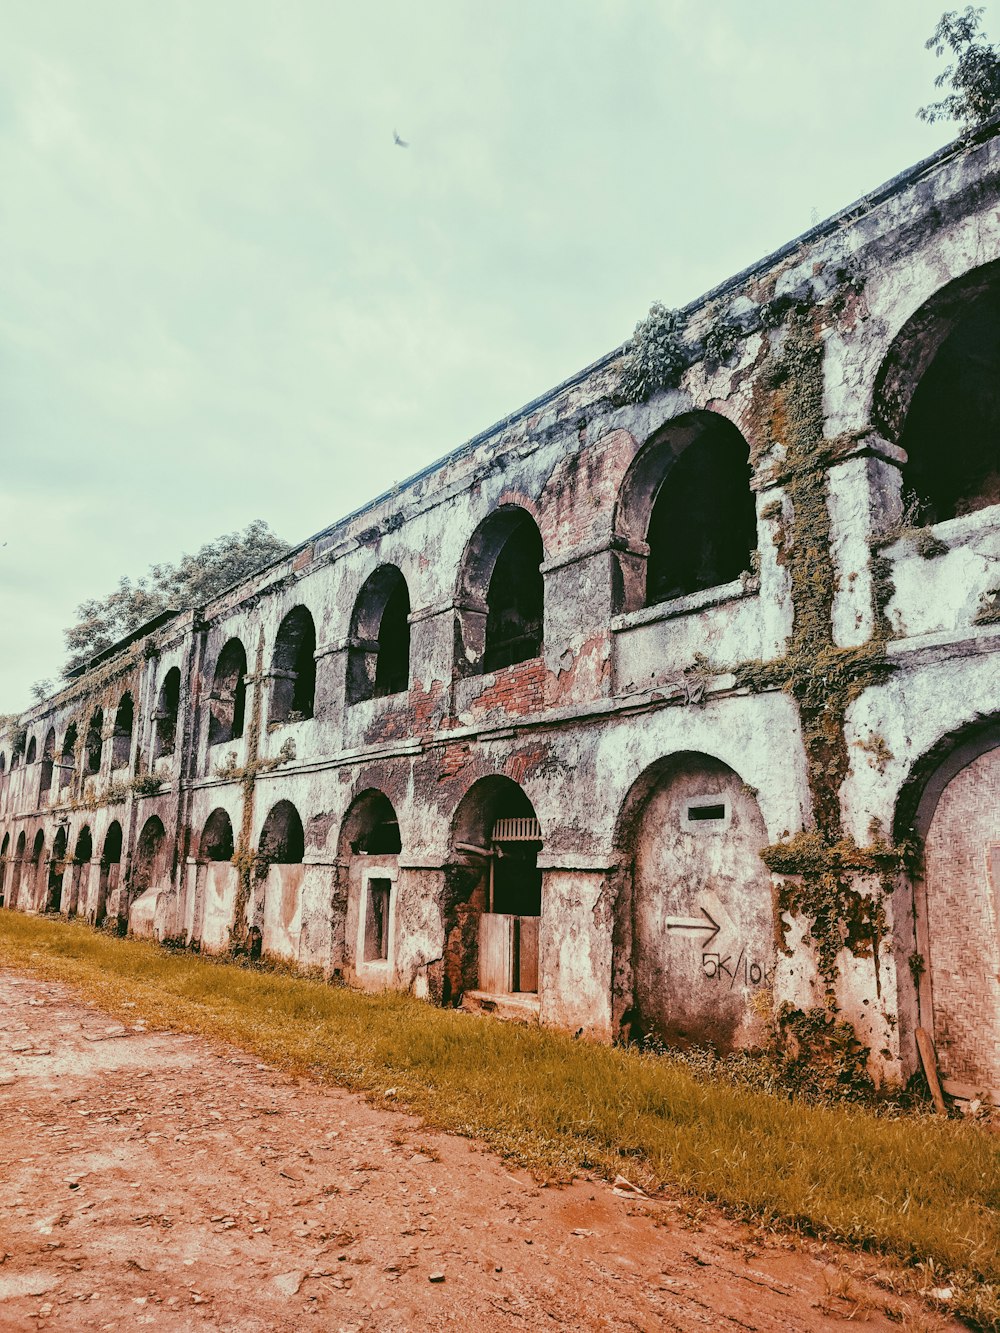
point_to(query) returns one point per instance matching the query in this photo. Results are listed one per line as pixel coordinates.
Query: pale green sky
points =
(226, 293)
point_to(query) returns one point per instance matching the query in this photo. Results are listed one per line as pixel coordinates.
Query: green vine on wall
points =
(823, 678)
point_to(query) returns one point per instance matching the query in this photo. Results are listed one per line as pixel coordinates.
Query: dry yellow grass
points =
(924, 1190)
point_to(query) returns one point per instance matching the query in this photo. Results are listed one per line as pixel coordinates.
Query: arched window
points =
(19, 897)
(293, 668)
(149, 866)
(227, 702)
(57, 869)
(29, 758)
(3, 763)
(4, 854)
(686, 519)
(121, 744)
(18, 748)
(48, 762)
(282, 840)
(370, 827)
(378, 659)
(67, 757)
(165, 717)
(938, 395)
(111, 856)
(94, 747)
(501, 592)
(216, 842)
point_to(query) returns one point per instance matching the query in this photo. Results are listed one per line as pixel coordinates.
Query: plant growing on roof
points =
(657, 355)
(974, 74)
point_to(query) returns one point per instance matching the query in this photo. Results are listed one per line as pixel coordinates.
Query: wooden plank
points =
(928, 1058)
(496, 953)
(527, 978)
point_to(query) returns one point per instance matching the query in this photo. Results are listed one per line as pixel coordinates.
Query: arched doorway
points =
(208, 915)
(368, 852)
(57, 869)
(107, 888)
(79, 891)
(276, 919)
(4, 854)
(149, 872)
(957, 901)
(694, 930)
(494, 897)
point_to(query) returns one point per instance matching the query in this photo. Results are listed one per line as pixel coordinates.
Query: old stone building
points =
(670, 710)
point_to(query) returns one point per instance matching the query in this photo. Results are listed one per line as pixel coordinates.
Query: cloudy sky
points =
(226, 294)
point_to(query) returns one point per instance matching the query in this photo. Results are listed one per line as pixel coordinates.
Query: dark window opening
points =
(697, 812)
(514, 601)
(227, 701)
(377, 921)
(165, 717)
(47, 765)
(94, 747)
(703, 524)
(121, 742)
(378, 659)
(67, 757)
(282, 840)
(293, 668)
(217, 838)
(29, 758)
(952, 430)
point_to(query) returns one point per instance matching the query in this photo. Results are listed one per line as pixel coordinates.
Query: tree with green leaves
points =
(194, 580)
(973, 75)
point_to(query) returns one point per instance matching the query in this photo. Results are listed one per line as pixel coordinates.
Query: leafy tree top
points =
(973, 75)
(194, 580)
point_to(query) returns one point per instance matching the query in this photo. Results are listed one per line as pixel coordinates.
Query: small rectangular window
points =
(706, 812)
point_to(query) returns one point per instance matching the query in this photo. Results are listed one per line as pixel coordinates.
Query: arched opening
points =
(378, 658)
(107, 889)
(938, 395)
(494, 893)
(369, 847)
(165, 718)
(500, 600)
(46, 767)
(275, 918)
(67, 759)
(4, 855)
(210, 907)
(29, 758)
(694, 930)
(227, 701)
(17, 892)
(79, 893)
(121, 742)
(94, 744)
(956, 901)
(18, 748)
(57, 870)
(149, 871)
(686, 519)
(38, 875)
(293, 668)
(216, 843)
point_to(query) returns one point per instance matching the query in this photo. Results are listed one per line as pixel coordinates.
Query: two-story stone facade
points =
(516, 734)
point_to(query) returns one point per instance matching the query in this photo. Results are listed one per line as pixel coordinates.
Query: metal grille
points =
(517, 830)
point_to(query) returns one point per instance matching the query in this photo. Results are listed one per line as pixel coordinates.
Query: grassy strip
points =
(918, 1188)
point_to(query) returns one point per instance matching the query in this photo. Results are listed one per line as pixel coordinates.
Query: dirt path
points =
(160, 1179)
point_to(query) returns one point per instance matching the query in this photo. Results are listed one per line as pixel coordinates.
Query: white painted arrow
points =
(714, 918)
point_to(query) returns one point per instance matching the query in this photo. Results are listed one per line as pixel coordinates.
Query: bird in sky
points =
(400, 143)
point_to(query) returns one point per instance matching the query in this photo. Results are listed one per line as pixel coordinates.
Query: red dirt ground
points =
(159, 1179)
